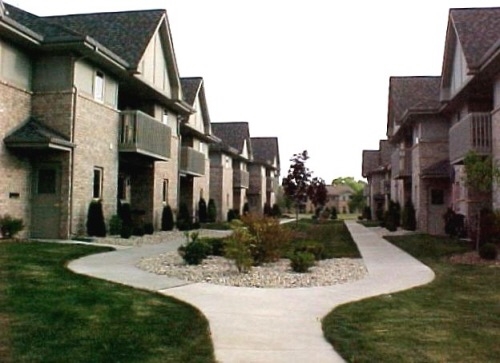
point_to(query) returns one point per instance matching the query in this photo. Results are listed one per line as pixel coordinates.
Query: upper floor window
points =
(97, 190)
(99, 86)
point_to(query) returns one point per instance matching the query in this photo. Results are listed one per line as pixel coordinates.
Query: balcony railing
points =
(142, 134)
(471, 133)
(241, 178)
(270, 184)
(401, 164)
(192, 161)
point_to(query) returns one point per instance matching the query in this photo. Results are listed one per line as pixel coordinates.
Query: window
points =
(165, 191)
(99, 86)
(97, 192)
(46, 181)
(164, 118)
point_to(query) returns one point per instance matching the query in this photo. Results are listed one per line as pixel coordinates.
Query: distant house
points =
(196, 136)
(229, 159)
(338, 197)
(264, 173)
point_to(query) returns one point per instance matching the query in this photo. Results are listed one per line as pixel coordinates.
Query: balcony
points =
(471, 133)
(270, 184)
(192, 161)
(241, 178)
(142, 134)
(401, 164)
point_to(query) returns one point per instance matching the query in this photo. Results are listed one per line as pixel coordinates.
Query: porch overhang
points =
(32, 135)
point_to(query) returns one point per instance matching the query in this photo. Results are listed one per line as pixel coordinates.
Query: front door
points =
(437, 207)
(46, 206)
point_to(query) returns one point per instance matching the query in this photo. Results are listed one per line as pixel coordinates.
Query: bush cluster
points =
(10, 226)
(302, 261)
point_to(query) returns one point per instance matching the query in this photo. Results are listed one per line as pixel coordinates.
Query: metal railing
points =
(192, 161)
(241, 178)
(401, 163)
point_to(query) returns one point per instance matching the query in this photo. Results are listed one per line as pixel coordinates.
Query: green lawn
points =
(49, 314)
(332, 234)
(456, 318)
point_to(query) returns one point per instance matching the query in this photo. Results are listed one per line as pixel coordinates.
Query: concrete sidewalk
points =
(268, 325)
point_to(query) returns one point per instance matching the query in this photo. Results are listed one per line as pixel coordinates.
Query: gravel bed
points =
(220, 271)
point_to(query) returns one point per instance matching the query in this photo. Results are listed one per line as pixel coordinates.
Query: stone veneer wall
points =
(221, 184)
(201, 186)
(15, 108)
(495, 130)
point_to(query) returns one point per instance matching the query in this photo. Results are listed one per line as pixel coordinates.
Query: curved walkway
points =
(268, 325)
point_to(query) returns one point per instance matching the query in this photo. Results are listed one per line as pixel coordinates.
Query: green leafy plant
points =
(95, 220)
(167, 219)
(149, 228)
(194, 251)
(276, 211)
(231, 214)
(480, 171)
(333, 214)
(10, 226)
(317, 249)
(302, 261)
(237, 247)
(126, 231)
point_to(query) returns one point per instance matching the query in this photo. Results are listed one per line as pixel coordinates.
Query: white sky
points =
(313, 73)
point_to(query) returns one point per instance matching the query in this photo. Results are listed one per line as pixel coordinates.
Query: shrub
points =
(10, 226)
(454, 223)
(246, 208)
(408, 217)
(489, 224)
(270, 239)
(138, 231)
(115, 225)
(367, 213)
(231, 214)
(202, 211)
(216, 246)
(392, 216)
(149, 228)
(95, 220)
(276, 211)
(195, 250)
(125, 213)
(488, 251)
(167, 219)
(333, 214)
(267, 209)
(212, 211)
(237, 247)
(183, 218)
(317, 249)
(302, 261)
(126, 231)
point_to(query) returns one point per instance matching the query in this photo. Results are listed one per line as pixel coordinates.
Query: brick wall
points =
(15, 107)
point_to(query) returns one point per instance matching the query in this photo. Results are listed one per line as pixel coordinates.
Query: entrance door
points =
(437, 207)
(45, 215)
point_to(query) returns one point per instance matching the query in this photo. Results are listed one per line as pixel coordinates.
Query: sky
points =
(313, 73)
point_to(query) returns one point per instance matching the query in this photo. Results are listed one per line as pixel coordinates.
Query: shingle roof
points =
(190, 88)
(34, 134)
(408, 94)
(371, 161)
(441, 169)
(266, 150)
(233, 134)
(339, 189)
(126, 34)
(478, 29)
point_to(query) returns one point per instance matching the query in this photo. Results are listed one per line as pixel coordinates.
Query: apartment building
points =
(91, 106)
(435, 122)
(229, 160)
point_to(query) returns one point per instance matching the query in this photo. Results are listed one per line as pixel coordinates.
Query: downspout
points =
(72, 159)
(179, 148)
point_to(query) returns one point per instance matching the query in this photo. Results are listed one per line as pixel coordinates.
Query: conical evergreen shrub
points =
(202, 211)
(183, 218)
(167, 219)
(408, 217)
(95, 220)
(212, 211)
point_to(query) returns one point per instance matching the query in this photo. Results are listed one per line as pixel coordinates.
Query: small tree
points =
(202, 211)
(95, 220)
(212, 211)
(298, 186)
(167, 219)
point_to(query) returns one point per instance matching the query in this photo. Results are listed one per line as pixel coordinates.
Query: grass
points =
(369, 224)
(332, 234)
(456, 318)
(49, 314)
